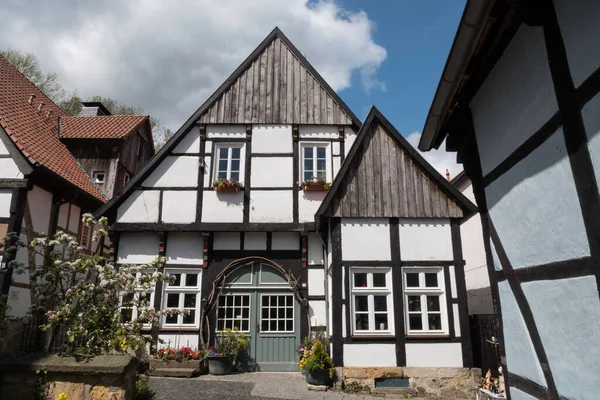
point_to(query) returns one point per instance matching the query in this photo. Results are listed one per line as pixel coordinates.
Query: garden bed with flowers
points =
(227, 185)
(178, 359)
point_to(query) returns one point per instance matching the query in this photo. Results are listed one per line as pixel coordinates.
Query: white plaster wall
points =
(40, 205)
(137, 248)
(226, 241)
(316, 282)
(272, 139)
(580, 30)
(425, 239)
(366, 239)
(316, 308)
(456, 317)
(272, 171)
(315, 250)
(517, 394)
(19, 302)
(285, 241)
(370, 355)
(190, 142)
(336, 161)
(226, 131)
(74, 218)
(350, 137)
(208, 147)
(207, 178)
(535, 208)
(179, 206)
(255, 241)
(308, 204)
(567, 315)
(3, 149)
(271, 206)
(140, 206)
(5, 198)
(335, 148)
(174, 171)
(185, 248)
(591, 121)
(222, 207)
(63, 215)
(177, 340)
(434, 355)
(318, 131)
(506, 115)
(9, 169)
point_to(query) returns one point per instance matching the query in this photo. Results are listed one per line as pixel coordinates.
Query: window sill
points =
(372, 337)
(420, 336)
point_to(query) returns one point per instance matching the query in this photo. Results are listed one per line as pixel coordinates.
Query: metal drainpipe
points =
(326, 268)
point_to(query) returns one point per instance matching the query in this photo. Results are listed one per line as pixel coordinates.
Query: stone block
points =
(317, 388)
(435, 372)
(174, 372)
(373, 372)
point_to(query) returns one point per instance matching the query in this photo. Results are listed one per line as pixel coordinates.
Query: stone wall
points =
(11, 333)
(110, 377)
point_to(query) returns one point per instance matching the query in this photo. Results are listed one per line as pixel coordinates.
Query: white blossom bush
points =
(79, 291)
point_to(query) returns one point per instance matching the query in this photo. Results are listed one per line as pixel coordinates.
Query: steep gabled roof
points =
(205, 110)
(100, 127)
(384, 176)
(35, 133)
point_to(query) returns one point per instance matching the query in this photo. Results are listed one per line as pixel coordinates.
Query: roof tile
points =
(100, 127)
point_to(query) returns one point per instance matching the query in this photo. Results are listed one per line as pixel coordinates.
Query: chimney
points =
(448, 175)
(31, 97)
(40, 106)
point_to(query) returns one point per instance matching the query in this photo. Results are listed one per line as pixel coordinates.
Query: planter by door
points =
(220, 365)
(320, 378)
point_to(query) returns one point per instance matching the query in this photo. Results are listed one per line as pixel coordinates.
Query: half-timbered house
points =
(255, 257)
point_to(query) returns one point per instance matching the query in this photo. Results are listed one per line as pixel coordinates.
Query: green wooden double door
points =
(258, 301)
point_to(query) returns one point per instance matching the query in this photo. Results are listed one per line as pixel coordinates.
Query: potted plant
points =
(231, 345)
(227, 185)
(319, 366)
(184, 357)
(315, 184)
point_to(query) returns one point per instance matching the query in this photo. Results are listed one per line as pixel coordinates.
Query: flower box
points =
(314, 188)
(227, 189)
(199, 367)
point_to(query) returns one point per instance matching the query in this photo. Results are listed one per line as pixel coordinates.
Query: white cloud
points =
(169, 56)
(440, 159)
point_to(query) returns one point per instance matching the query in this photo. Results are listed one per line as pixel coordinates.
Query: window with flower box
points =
(425, 301)
(229, 162)
(129, 301)
(315, 159)
(182, 293)
(372, 304)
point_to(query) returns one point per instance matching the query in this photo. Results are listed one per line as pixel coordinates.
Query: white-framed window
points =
(182, 294)
(425, 301)
(371, 302)
(128, 301)
(233, 311)
(276, 313)
(229, 161)
(315, 161)
(99, 177)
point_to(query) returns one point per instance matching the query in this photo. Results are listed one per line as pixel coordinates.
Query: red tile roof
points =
(34, 132)
(102, 127)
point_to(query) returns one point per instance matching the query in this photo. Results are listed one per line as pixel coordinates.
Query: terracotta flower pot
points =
(227, 189)
(314, 188)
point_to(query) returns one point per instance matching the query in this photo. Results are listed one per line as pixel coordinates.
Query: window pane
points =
(190, 318)
(273, 325)
(308, 165)
(281, 300)
(265, 313)
(281, 313)
(414, 303)
(222, 175)
(321, 165)
(412, 279)
(281, 325)
(308, 175)
(431, 279)
(273, 313)
(223, 152)
(191, 280)
(289, 313)
(189, 301)
(220, 325)
(173, 300)
(433, 303)
(265, 300)
(435, 322)
(321, 152)
(246, 300)
(221, 313)
(415, 322)
(171, 319)
(176, 280)
(127, 299)
(145, 298)
(289, 325)
(245, 325)
(361, 303)
(222, 165)
(235, 152)
(126, 314)
(264, 326)
(235, 176)
(360, 280)
(362, 322)
(321, 174)
(229, 313)
(379, 280)
(235, 165)
(381, 322)
(237, 301)
(273, 300)
(308, 152)
(380, 303)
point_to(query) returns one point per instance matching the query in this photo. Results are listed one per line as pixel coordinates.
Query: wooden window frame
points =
(315, 145)
(370, 291)
(217, 156)
(423, 291)
(182, 290)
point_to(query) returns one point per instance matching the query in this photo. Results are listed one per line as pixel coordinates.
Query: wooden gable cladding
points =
(276, 88)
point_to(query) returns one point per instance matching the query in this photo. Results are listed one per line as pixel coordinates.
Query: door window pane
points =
(234, 311)
(277, 313)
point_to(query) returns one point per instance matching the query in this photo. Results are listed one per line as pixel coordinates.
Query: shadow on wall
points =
(480, 301)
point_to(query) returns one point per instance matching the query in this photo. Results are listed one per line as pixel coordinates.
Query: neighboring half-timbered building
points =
(272, 125)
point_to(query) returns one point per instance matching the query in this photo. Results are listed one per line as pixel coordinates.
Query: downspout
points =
(326, 269)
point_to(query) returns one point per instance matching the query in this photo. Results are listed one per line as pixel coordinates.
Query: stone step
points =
(174, 372)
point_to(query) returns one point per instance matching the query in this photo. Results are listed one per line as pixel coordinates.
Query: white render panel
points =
(174, 171)
(9, 169)
(3, 149)
(226, 241)
(272, 171)
(349, 138)
(366, 239)
(255, 241)
(140, 206)
(272, 139)
(185, 248)
(456, 317)
(190, 143)
(285, 241)
(271, 206)
(344, 333)
(317, 311)
(453, 290)
(434, 355)
(5, 199)
(337, 161)
(207, 181)
(335, 148)
(522, 106)
(179, 206)
(308, 204)
(318, 131)
(591, 121)
(222, 207)
(137, 248)
(370, 355)
(315, 249)
(177, 340)
(208, 147)
(40, 205)
(425, 239)
(226, 131)
(316, 282)
(74, 218)
(63, 215)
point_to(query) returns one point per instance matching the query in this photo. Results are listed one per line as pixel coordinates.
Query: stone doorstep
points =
(174, 372)
(317, 388)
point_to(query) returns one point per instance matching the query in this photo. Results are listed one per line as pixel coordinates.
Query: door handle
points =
(258, 327)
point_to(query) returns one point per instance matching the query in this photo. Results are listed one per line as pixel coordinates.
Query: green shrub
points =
(319, 360)
(143, 391)
(356, 387)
